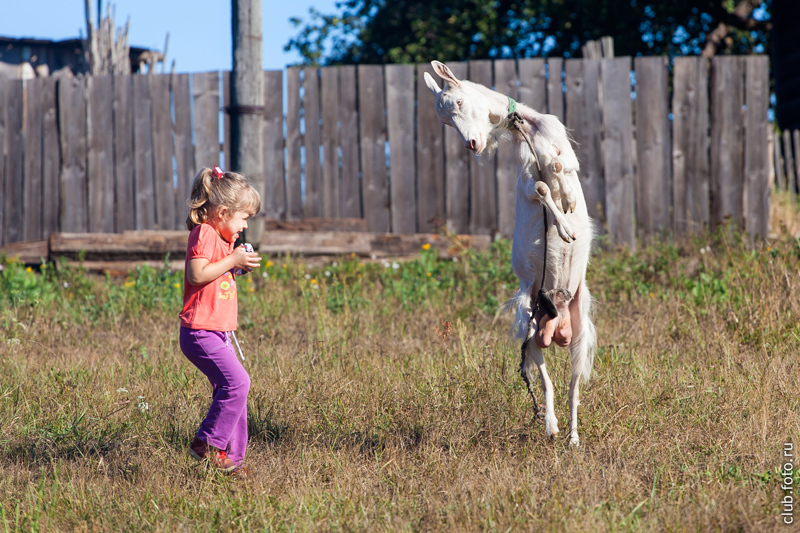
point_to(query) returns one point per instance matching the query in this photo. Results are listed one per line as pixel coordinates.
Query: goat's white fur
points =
(479, 115)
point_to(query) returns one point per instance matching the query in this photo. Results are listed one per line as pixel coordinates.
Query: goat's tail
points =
(521, 304)
(584, 344)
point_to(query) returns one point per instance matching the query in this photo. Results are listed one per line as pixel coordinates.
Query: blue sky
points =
(199, 30)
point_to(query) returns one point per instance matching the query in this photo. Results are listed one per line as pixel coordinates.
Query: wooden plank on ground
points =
(312, 207)
(372, 129)
(28, 252)
(33, 185)
(51, 159)
(143, 154)
(294, 169)
(757, 186)
(164, 187)
(691, 163)
(317, 224)
(430, 158)
(331, 199)
(183, 147)
(618, 164)
(727, 140)
(400, 125)
(505, 81)
(585, 121)
(14, 166)
(72, 132)
(483, 180)
(555, 90)
(348, 141)
(128, 246)
(378, 245)
(100, 157)
(456, 166)
(206, 119)
(273, 204)
(653, 146)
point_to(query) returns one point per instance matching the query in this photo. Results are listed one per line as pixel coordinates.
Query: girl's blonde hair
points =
(230, 190)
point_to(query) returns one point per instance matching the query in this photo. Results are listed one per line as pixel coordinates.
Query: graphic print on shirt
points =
(227, 287)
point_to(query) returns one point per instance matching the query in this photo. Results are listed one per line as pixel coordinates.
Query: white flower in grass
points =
(122, 390)
(264, 275)
(455, 259)
(386, 264)
(2, 267)
(327, 273)
(143, 405)
(308, 276)
(66, 285)
(373, 257)
(395, 265)
(334, 264)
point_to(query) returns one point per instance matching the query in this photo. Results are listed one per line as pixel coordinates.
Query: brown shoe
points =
(219, 458)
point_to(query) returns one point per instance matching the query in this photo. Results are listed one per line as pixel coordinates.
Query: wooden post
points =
(247, 101)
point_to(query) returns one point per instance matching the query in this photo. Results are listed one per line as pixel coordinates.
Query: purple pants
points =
(225, 425)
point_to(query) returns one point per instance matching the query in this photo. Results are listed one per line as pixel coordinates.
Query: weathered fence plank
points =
(183, 146)
(430, 160)
(14, 161)
(348, 141)
(274, 201)
(206, 119)
(727, 127)
(330, 141)
(51, 160)
(555, 91)
(3, 104)
(789, 162)
(505, 80)
(456, 170)
(796, 140)
(32, 186)
(294, 169)
(618, 160)
(400, 125)
(653, 146)
(226, 121)
(690, 157)
(584, 119)
(757, 188)
(125, 212)
(72, 129)
(372, 128)
(166, 201)
(100, 160)
(313, 201)
(143, 154)
(780, 179)
(483, 192)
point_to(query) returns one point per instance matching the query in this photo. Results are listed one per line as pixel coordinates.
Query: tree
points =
(413, 31)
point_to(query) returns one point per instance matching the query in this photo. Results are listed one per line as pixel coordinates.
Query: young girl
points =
(221, 203)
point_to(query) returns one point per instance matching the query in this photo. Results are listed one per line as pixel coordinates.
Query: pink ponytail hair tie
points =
(217, 172)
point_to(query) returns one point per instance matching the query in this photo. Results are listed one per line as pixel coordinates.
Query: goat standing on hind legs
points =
(552, 233)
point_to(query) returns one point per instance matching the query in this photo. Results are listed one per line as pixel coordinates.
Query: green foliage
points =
(416, 31)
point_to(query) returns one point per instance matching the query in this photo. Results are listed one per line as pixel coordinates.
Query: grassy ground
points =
(385, 397)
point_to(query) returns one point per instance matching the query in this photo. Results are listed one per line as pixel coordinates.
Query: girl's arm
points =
(201, 271)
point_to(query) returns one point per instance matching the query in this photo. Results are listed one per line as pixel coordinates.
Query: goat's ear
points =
(432, 85)
(445, 73)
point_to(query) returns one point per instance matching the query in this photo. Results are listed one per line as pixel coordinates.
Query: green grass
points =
(387, 398)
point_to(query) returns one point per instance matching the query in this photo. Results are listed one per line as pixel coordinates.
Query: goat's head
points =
(462, 106)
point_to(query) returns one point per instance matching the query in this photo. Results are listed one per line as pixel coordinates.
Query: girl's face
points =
(229, 224)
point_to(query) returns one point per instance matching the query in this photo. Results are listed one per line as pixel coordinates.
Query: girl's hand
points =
(245, 260)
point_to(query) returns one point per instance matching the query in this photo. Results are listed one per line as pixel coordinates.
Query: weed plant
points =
(385, 397)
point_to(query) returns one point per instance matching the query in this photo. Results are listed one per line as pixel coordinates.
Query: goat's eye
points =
(459, 102)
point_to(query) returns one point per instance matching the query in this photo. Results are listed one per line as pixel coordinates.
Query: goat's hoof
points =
(574, 441)
(551, 428)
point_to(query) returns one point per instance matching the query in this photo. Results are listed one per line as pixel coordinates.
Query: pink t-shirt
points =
(212, 306)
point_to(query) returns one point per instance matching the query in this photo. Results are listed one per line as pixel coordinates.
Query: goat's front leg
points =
(557, 174)
(540, 192)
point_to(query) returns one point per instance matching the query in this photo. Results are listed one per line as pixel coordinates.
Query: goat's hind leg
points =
(533, 353)
(581, 353)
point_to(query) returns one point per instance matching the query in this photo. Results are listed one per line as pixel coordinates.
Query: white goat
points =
(562, 236)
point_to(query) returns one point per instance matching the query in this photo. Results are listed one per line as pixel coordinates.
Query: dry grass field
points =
(385, 397)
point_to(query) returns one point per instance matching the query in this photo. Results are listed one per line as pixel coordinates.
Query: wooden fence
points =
(663, 147)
